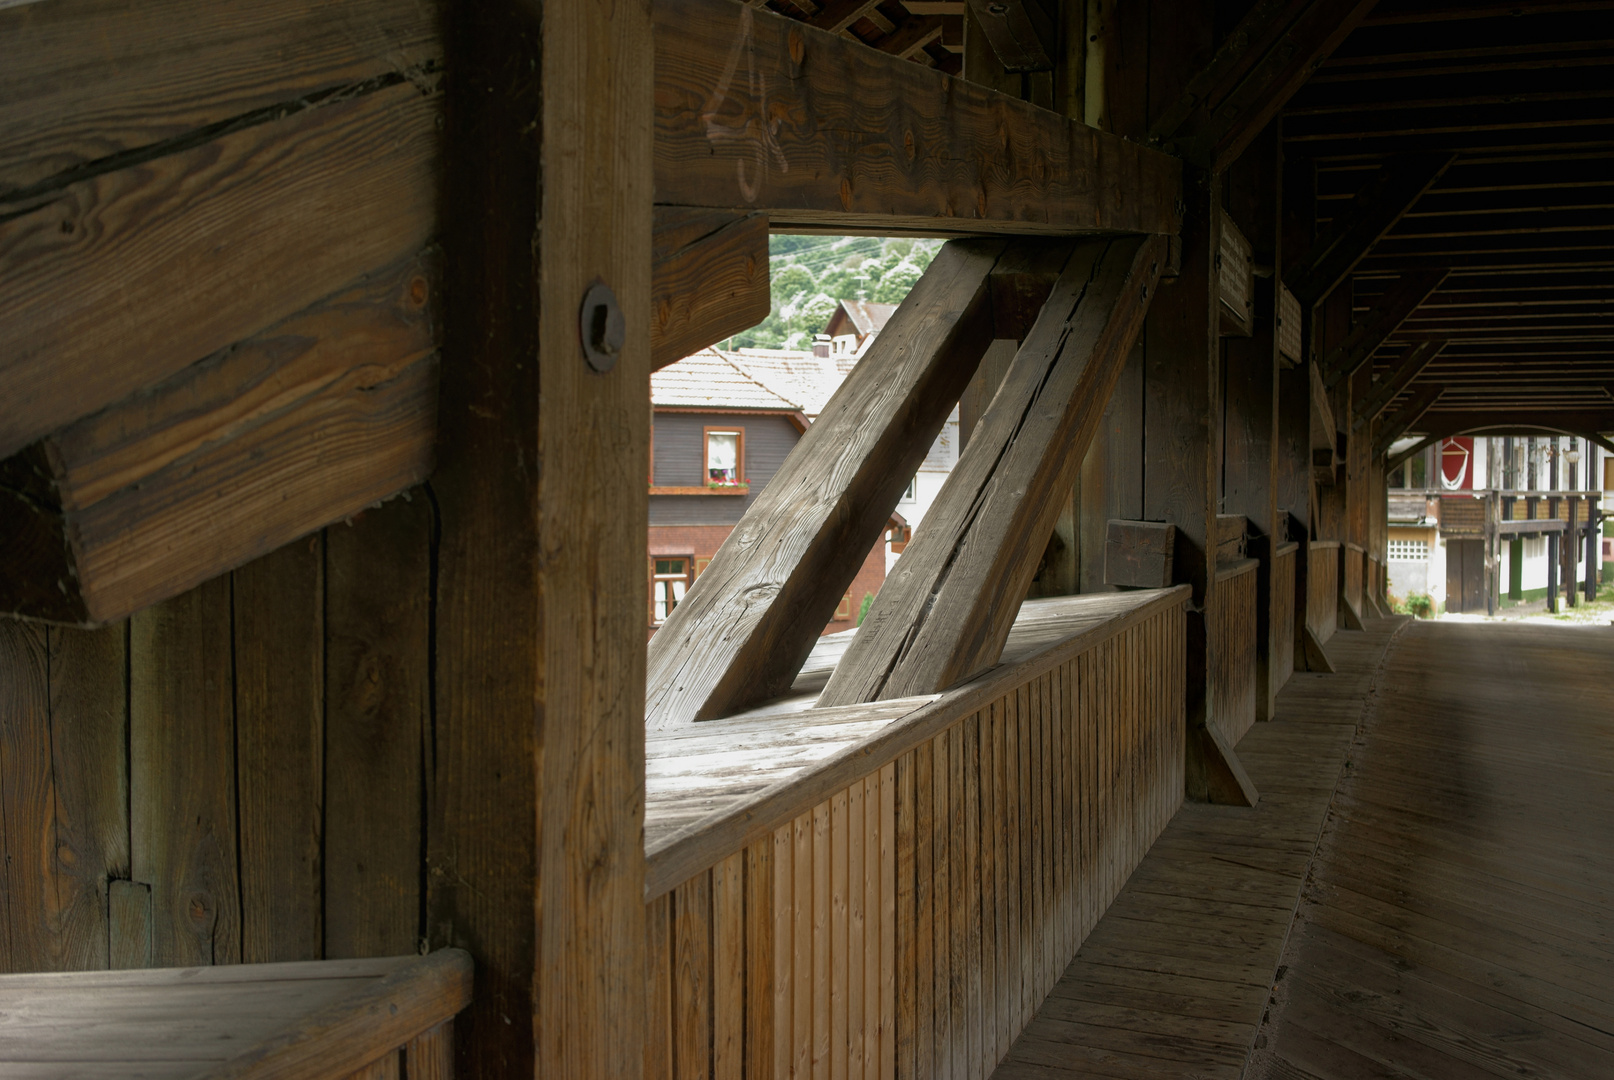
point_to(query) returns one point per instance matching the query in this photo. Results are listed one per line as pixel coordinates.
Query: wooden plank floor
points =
(1173, 982)
(1459, 920)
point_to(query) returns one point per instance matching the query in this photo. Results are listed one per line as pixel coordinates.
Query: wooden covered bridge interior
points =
(330, 745)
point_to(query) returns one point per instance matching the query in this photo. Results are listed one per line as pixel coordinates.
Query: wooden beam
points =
(1021, 33)
(839, 15)
(747, 624)
(268, 440)
(124, 278)
(1373, 212)
(709, 279)
(911, 35)
(757, 112)
(1412, 361)
(1403, 418)
(535, 828)
(945, 612)
(1270, 54)
(1386, 316)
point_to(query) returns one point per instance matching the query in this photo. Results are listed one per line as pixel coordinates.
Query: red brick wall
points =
(700, 542)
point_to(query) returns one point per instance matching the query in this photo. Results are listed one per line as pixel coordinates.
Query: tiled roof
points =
(801, 376)
(711, 379)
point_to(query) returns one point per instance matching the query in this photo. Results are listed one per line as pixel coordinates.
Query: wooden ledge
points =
(734, 814)
(703, 489)
(294, 1021)
(1317, 545)
(1288, 547)
(1227, 571)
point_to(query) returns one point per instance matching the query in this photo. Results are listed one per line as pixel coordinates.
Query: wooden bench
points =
(318, 1020)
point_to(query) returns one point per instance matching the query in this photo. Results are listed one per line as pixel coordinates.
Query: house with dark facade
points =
(720, 430)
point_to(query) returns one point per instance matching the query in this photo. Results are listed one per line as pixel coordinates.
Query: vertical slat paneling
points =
(658, 1037)
(692, 978)
(1233, 655)
(911, 923)
(182, 776)
(728, 968)
(280, 740)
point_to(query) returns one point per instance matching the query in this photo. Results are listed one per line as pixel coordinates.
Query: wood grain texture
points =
(27, 798)
(89, 277)
(1322, 588)
(377, 704)
(59, 892)
(182, 768)
(745, 627)
(758, 112)
(1234, 645)
(151, 76)
(709, 279)
(312, 420)
(278, 634)
(946, 611)
(1139, 553)
(597, 70)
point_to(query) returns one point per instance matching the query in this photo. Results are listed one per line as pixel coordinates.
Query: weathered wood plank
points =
(749, 621)
(88, 279)
(946, 613)
(658, 1009)
(377, 707)
(692, 977)
(152, 78)
(755, 111)
(277, 615)
(709, 279)
(182, 776)
(26, 801)
(233, 457)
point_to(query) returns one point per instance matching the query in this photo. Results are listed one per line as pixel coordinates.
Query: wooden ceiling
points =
(1523, 217)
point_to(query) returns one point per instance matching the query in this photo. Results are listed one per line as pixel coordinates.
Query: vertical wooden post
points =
(535, 838)
(1571, 553)
(1250, 431)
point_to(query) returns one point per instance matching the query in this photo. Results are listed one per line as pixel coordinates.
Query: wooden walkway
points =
(1460, 920)
(1427, 896)
(1173, 982)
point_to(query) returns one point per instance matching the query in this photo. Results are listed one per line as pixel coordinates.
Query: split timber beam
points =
(1407, 367)
(1267, 58)
(708, 279)
(945, 612)
(744, 629)
(1400, 422)
(1374, 212)
(756, 112)
(1385, 318)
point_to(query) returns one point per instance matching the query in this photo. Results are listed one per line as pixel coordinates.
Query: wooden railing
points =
(1233, 644)
(901, 906)
(1281, 663)
(313, 1020)
(1322, 588)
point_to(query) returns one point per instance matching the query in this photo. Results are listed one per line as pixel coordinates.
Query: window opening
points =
(668, 580)
(1409, 550)
(723, 460)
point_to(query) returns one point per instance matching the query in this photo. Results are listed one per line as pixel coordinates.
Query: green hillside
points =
(811, 273)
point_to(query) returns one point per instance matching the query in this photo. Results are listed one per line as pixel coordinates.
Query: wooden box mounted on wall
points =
(1140, 554)
(1235, 274)
(1288, 327)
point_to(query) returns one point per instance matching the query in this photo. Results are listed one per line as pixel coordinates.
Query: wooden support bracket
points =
(1311, 653)
(1349, 617)
(1386, 317)
(708, 279)
(1374, 212)
(1021, 33)
(1226, 782)
(1408, 366)
(945, 611)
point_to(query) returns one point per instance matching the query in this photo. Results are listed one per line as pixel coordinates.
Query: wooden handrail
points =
(698, 845)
